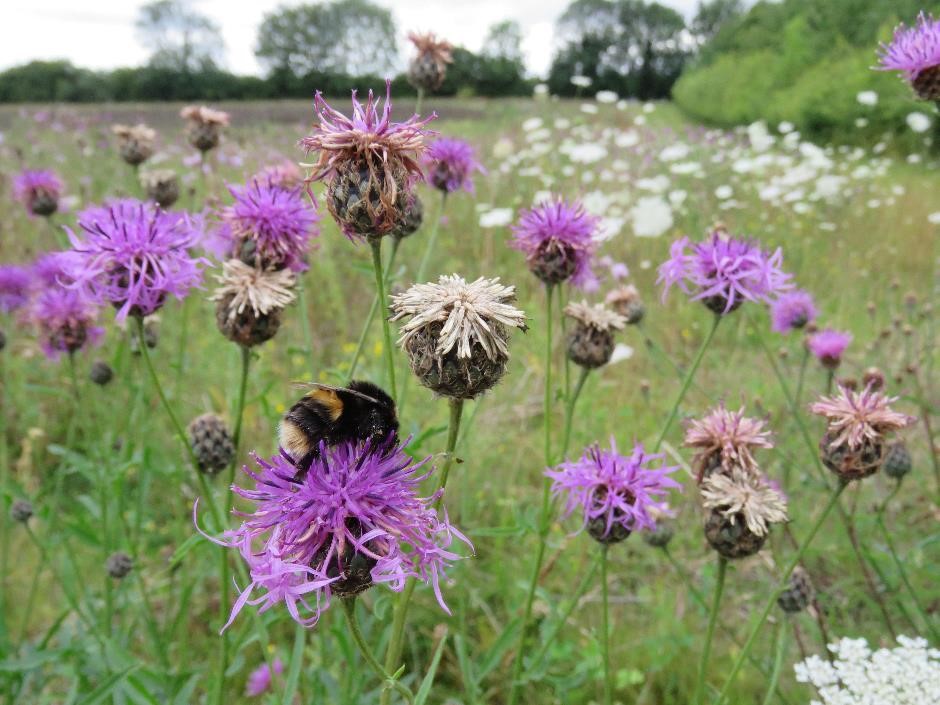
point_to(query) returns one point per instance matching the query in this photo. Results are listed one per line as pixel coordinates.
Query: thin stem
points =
(925, 413)
(432, 240)
(686, 382)
(364, 333)
(605, 629)
(780, 652)
(293, 670)
(800, 377)
(394, 649)
(569, 413)
(376, 244)
(573, 600)
(305, 322)
(545, 507)
(349, 609)
(710, 632)
(782, 585)
(419, 101)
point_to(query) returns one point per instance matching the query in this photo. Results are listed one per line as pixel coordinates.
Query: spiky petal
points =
(745, 494)
(859, 417)
(728, 436)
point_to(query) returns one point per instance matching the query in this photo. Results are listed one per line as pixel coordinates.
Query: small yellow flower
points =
(280, 408)
(349, 347)
(377, 349)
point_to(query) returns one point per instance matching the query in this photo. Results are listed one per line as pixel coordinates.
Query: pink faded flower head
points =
(859, 417)
(369, 135)
(558, 238)
(450, 164)
(828, 345)
(352, 520)
(15, 285)
(204, 115)
(285, 173)
(269, 225)
(792, 310)
(64, 318)
(723, 272)
(615, 494)
(915, 52)
(724, 439)
(259, 682)
(39, 191)
(133, 255)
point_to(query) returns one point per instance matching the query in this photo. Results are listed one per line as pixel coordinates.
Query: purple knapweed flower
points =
(450, 164)
(915, 51)
(259, 682)
(133, 255)
(723, 272)
(64, 319)
(792, 311)
(53, 268)
(558, 238)
(15, 285)
(613, 492)
(38, 190)
(828, 345)
(269, 226)
(353, 520)
(368, 162)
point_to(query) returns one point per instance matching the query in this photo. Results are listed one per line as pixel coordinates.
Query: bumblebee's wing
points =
(313, 386)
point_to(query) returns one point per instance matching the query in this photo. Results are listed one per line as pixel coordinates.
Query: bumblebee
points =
(334, 415)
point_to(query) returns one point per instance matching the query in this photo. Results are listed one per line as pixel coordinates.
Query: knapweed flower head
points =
(558, 238)
(204, 126)
(614, 494)
(205, 115)
(15, 285)
(259, 681)
(458, 334)
(134, 255)
(65, 320)
(429, 65)
(450, 164)
(723, 272)
(626, 301)
(162, 186)
(285, 173)
(724, 440)
(908, 674)
(368, 162)
(53, 269)
(250, 301)
(792, 310)
(915, 52)
(743, 496)
(855, 418)
(353, 520)
(135, 142)
(269, 226)
(591, 340)
(828, 345)
(39, 191)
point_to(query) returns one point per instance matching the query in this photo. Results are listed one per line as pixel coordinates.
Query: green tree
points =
(504, 41)
(179, 37)
(352, 37)
(712, 15)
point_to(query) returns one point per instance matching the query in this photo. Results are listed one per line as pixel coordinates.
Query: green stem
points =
(605, 629)
(394, 649)
(569, 412)
(801, 377)
(376, 244)
(686, 382)
(419, 101)
(780, 652)
(293, 670)
(305, 322)
(349, 609)
(573, 600)
(364, 333)
(782, 585)
(544, 522)
(432, 241)
(710, 632)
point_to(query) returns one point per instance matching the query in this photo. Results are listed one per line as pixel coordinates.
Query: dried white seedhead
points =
(744, 493)
(468, 313)
(263, 290)
(596, 316)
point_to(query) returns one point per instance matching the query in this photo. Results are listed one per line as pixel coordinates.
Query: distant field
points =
(858, 227)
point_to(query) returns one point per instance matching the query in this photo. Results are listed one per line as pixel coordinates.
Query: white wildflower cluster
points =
(909, 674)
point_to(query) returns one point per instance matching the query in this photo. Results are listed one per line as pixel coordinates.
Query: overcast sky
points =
(100, 35)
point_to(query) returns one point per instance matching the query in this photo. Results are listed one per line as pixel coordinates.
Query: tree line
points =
(636, 48)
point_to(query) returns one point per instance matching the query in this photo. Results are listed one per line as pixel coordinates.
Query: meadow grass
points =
(871, 244)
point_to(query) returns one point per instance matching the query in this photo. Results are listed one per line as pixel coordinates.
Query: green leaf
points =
(296, 659)
(494, 654)
(29, 662)
(184, 548)
(466, 667)
(109, 684)
(425, 689)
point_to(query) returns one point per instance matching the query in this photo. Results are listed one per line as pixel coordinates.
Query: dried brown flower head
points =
(596, 316)
(744, 496)
(725, 439)
(135, 142)
(857, 417)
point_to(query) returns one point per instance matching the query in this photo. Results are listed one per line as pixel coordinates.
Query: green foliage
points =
(802, 62)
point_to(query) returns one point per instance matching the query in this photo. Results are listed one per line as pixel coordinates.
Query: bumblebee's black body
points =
(334, 415)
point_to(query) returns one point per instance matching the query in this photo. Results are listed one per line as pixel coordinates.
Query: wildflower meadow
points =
(396, 399)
